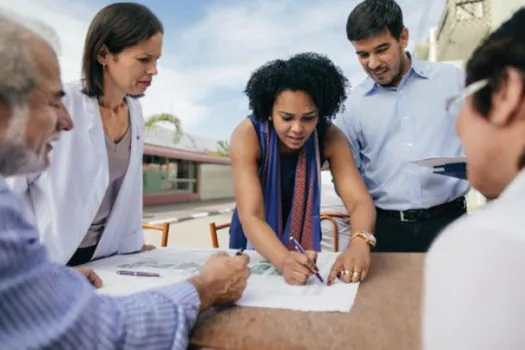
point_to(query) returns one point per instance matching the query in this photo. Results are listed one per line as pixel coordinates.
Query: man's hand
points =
(91, 276)
(222, 280)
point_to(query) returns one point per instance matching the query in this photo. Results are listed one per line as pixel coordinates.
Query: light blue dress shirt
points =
(48, 306)
(390, 127)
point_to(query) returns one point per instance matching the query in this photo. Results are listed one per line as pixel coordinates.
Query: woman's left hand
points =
(147, 247)
(352, 265)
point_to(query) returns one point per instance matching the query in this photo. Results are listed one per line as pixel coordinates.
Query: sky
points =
(212, 46)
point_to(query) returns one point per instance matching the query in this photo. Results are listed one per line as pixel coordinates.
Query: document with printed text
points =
(266, 286)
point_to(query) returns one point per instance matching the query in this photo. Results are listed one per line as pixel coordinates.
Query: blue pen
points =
(300, 249)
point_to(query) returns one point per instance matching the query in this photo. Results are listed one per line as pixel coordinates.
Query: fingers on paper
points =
(336, 268)
(299, 278)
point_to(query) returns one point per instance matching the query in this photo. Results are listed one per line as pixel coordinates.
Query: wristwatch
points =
(367, 236)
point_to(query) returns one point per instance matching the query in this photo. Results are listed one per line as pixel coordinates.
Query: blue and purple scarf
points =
(303, 222)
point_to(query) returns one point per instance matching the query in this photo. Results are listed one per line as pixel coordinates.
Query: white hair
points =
(17, 67)
(19, 78)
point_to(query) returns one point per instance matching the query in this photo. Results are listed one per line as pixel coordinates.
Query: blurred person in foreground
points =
(474, 285)
(276, 156)
(49, 306)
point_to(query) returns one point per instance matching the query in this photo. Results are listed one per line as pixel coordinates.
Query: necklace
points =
(115, 109)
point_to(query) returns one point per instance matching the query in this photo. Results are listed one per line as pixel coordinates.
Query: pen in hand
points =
(300, 249)
(240, 252)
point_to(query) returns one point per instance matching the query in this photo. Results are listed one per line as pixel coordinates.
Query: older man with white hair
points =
(45, 305)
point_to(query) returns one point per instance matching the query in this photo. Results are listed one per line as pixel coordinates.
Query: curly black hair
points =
(310, 72)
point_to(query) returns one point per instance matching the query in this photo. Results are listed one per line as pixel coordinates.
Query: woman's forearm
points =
(363, 217)
(265, 241)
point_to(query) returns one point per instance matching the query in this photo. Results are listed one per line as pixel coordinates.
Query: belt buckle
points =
(403, 218)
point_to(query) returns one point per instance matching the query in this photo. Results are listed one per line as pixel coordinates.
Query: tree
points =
(224, 148)
(168, 118)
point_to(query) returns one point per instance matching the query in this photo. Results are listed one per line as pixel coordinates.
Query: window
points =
(167, 175)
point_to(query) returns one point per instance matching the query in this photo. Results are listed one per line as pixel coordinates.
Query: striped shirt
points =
(48, 306)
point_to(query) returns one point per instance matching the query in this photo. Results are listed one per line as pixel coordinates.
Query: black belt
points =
(457, 205)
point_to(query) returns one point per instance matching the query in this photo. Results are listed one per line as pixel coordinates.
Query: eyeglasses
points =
(469, 90)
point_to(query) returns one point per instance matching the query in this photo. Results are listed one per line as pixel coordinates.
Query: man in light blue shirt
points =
(396, 116)
(48, 306)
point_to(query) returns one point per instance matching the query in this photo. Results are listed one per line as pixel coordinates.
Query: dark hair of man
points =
(117, 27)
(502, 49)
(310, 72)
(373, 17)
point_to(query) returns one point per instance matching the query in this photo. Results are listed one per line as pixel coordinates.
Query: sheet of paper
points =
(447, 166)
(266, 287)
(439, 161)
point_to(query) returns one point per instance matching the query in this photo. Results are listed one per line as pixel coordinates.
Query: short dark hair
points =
(502, 49)
(373, 17)
(310, 72)
(117, 26)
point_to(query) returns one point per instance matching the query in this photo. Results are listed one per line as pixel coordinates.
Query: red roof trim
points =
(176, 153)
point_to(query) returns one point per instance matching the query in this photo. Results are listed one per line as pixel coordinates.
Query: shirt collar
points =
(417, 67)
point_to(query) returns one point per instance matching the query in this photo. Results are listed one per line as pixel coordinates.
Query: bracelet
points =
(367, 236)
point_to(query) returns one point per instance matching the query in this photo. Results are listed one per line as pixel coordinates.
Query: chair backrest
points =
(213, 233)
(324, 216)
(164, 228)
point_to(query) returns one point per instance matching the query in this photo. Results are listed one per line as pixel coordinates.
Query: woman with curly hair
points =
(277, 154)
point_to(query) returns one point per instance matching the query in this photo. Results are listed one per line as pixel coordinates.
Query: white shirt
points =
(330, 201)
(474, 289)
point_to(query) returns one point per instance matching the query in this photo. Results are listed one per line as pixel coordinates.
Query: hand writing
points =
(222, 279)
(297, 268)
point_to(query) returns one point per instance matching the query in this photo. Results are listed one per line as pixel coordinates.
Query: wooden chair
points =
(324, 216)
(164, 228)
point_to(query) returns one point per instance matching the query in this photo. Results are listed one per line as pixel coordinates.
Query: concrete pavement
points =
(186, 211)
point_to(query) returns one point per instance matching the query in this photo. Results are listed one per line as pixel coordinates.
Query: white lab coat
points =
(63, 200)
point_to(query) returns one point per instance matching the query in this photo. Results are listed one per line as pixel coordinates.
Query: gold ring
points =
(357, 273)
(345, 272)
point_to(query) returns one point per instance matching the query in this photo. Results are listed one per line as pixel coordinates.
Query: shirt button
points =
(405, 118)
(409, 144)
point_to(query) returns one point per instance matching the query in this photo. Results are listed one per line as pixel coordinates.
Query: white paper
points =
(439, 161)
(266, 287)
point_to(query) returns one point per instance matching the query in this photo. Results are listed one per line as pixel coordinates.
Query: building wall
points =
(215, 181)
(501, 10)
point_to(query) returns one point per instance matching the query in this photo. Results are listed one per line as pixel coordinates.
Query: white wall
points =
(501, 10)
(215, 181)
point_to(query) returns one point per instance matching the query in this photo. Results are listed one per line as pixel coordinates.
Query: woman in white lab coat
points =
(474, 285)
(88, 204)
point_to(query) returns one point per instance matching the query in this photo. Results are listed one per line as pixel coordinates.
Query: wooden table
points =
(385, 315)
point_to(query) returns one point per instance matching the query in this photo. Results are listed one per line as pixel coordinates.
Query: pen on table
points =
(137, 273)
(300, 249)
